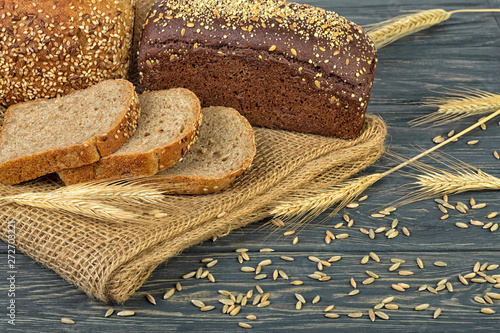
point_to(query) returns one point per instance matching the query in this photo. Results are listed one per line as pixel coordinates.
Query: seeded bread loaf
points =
(282, 65)
(167, 130)
(224, 150)
(52, 47)
(47, 135)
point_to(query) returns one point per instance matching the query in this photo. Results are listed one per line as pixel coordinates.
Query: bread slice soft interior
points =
(46, 135)
(224, 150)
(168, 127)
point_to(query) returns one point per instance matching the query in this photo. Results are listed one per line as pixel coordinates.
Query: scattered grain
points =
(367, 281)
(328, 308)
(440, 264)
(354, 292)
(437, 313)
(374, 256)
(492, 215)
(381, 315)
(371, 315)
(421, 307)
(363, 198)
(244, 325)
(391, 306)
(394, 267)
(125, 313)
(263, 304)
(398, 287)
(151, 299)
(331, 315)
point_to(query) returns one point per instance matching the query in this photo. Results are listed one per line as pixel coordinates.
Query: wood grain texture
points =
(463, 51)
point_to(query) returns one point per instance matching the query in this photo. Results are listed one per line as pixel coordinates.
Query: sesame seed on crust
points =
(48, 51)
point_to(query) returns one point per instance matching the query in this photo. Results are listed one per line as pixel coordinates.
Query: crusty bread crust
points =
(32, 166)
(51, 48)
(147, 163)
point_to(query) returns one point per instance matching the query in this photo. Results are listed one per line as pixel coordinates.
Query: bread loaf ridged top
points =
(323, 40)
(49, 48)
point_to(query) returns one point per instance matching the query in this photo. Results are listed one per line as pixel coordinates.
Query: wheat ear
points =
(460, 103)
(344, 193)
(122, 191)
(302, 204)
(458, 177)
(387, 32)
(56, 201)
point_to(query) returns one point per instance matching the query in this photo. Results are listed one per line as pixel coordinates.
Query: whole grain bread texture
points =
(49, 48)
(224, 150)
(46, 135)
(167, 130)
(282, 65)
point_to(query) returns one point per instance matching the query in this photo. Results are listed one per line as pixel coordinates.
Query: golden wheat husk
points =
(55, 201)
(310, 205)
(314, 204)
(456, 177)
(460, 103)
(123, 191)
(387, 32)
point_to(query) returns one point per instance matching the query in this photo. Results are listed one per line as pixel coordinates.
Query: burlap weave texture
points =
(110, 261)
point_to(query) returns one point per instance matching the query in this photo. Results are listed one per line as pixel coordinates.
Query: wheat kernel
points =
(421, 307)
(391, 306)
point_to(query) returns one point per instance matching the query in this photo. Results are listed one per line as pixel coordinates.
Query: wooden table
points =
(463, 51)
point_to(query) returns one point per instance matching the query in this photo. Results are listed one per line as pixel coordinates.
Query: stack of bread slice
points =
(97, 134)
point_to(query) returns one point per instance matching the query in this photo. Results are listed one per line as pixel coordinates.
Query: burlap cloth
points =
(110, 261)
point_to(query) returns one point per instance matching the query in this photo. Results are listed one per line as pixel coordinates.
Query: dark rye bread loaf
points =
(282, 65)
(49, 48)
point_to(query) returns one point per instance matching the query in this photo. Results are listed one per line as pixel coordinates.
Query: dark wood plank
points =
(461, 52)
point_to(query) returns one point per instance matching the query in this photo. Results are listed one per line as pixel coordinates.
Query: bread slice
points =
(169, 124)
(224, 150)
(44, 136)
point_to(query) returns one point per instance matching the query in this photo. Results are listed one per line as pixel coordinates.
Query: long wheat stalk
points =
(387, 32)
(56, 201)
(122, 191)
(344, 193)
(460, 103)
(100, 200)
